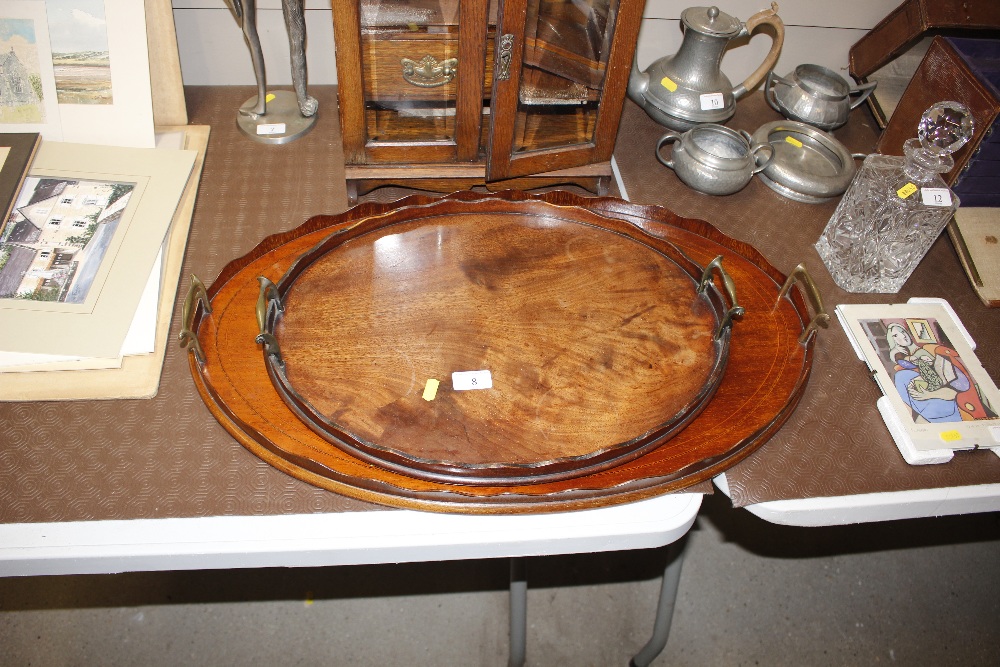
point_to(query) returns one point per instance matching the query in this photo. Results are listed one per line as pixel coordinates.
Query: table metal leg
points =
(665, 607)
(518, 613)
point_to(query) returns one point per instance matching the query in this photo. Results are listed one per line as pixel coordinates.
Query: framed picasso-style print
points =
(924, 362)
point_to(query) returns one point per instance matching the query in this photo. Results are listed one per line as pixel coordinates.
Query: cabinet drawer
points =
(387, 77)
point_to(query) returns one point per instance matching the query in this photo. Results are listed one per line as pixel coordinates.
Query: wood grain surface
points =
(767, 367)
(598, 343)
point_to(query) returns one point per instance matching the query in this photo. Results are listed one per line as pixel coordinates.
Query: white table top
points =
(344, 538)
(869, 507)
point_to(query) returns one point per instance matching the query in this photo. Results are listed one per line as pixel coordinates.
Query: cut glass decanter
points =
(896, 207)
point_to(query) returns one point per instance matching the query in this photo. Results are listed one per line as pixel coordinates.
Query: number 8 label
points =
(465, 380)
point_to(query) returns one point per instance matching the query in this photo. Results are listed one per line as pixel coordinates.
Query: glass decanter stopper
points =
(895, 206)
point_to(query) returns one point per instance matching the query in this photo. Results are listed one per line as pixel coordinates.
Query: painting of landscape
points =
(80, 55)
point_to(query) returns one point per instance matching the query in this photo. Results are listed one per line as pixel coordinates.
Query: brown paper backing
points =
(168, 457)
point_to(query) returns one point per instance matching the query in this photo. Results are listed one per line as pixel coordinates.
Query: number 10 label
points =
(711, 101)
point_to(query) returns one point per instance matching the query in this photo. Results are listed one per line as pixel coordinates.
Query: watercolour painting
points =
(57, 237)
(112, 207)
(81, 59)
(28, 99)
(102, 63)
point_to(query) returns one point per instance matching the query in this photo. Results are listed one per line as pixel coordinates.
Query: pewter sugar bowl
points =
(815, 95)
(714, 159)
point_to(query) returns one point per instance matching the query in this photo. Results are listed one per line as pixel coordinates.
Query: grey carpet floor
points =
(921, 592)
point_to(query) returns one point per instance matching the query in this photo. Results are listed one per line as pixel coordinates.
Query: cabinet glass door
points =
(558, 102)
(401, 60)
(410, 62)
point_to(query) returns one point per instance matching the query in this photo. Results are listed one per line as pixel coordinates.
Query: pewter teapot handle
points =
(770, 17)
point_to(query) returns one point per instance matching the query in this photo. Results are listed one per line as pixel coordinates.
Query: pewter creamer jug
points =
(689, 88)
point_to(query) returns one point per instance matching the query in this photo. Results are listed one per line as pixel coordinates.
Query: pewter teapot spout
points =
(689, 88)
(638, 83)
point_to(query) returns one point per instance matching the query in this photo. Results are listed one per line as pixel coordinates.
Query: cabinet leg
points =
(603, 186)
(665, 606)
(352, 192)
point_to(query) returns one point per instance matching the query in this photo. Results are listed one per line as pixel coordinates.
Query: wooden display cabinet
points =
(443, 95)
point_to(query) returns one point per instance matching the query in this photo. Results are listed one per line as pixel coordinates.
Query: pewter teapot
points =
(689, 88)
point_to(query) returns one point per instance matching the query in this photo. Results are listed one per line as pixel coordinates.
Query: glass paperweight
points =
(896, 207)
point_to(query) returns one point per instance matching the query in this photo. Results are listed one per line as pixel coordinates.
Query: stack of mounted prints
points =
(83, 235)
(76, 70)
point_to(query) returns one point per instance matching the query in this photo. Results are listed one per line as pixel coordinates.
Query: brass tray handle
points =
(736, 310)
(267, 299)
(428, 72)
(268, 295)
(820, 317)
(187, 337)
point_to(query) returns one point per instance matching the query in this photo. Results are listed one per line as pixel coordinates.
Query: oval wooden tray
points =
(601, 342)
(766, 369)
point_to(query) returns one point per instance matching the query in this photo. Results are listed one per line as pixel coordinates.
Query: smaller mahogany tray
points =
(592, 341)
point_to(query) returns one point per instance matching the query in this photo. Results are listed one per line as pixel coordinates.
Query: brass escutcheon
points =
(504, 52)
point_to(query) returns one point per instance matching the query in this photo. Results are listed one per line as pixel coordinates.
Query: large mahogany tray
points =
(618, 371)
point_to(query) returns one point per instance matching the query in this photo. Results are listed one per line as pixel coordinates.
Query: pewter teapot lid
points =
(711, 21)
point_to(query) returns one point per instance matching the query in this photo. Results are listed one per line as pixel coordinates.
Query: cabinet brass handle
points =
(504, 52)
(428, 72)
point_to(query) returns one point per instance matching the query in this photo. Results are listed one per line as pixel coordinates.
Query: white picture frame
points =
(916, 351)
(128, 120)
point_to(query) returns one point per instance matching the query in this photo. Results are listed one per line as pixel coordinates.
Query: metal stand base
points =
(665, 607)
(518, 613)
(281, 123)
(661, 626)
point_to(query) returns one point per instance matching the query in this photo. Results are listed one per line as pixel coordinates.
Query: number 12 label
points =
(465, 380)
(935, 196)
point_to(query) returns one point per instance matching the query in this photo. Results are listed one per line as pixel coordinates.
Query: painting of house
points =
(21, 96)
(15, 82)
(57, 237)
